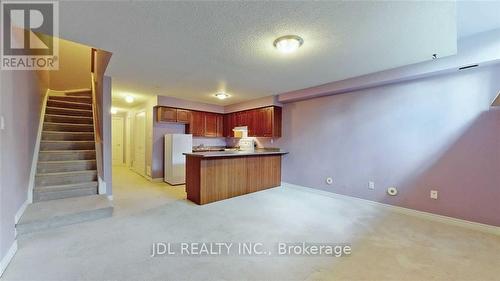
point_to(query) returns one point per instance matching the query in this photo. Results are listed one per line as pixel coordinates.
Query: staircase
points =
(67, 160)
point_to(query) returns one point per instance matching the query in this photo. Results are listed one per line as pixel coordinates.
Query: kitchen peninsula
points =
(214, 176)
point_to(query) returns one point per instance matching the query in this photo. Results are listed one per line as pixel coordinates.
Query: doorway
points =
(117, 137)
(139, 164)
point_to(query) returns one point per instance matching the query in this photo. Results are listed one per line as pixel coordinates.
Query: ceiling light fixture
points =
(288, 44)
(114, 110)
(221, 96)
(129, 99)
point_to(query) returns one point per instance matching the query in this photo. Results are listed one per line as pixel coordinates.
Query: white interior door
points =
(139, 163)
(117, 137)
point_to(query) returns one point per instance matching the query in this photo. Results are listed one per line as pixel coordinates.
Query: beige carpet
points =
(385, 245)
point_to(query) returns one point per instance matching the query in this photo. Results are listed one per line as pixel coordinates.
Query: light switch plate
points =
(371, 185)
(2, 123)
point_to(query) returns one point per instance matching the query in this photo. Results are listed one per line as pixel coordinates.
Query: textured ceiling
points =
(477, 16)
(191, 50)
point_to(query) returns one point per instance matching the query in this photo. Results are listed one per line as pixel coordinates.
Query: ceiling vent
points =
(468, 66)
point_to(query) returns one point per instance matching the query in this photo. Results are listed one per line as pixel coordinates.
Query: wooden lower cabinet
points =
(218, 178)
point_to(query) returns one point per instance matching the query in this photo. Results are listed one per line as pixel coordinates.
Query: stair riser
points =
(53, 195)
(67, 136)
(58, 222)
(65, 156)
(70, 112)
(72, 99)
(47, 180)
(44, 146)
(65, 167)
(62, 104)
(68, 119)
(67, 128)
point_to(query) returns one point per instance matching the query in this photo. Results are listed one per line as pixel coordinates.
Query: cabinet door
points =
(267, 122)
(210, 124)
(220, 125)
(197, 124)
(253, 122)
(242, 118)
(229, 124)
(166, 114)
(183, 116)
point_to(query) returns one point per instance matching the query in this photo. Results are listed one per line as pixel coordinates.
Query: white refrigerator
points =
(175, 161)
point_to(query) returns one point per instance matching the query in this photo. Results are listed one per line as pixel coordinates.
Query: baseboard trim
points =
(8, 257)
(491, 229)
(157, 179)
(21, 210)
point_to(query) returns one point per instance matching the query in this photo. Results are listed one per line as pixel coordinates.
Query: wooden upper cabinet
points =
(229, 124)
(166, 114)
(267, 122)
(220, 125)
(183, 115)
(261, 122)
(211, 126)
(197, 124)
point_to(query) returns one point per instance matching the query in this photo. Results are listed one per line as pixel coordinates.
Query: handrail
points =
(97, 128)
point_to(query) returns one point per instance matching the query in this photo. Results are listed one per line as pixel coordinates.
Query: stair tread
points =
(67, 173)
(54, 209)
(65, 161)
(72, 109)
(61, 151)
(66, 141)
(70, 102)
(68, 116)
(68, 124)
(66, 186)
(67, 132)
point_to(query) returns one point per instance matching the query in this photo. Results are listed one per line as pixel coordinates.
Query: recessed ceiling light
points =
(129, 99)
(288, 44)
(221, 96)
(114, 110)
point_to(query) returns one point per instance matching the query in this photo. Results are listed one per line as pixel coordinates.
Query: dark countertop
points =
(213, 154)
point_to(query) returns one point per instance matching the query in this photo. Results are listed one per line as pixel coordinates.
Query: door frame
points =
(140, 170)
(122, 120)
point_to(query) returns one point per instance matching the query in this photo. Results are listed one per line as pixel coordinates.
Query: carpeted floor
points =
(385, 245)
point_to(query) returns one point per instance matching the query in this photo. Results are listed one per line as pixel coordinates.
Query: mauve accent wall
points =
(436, 133)
(20, 103)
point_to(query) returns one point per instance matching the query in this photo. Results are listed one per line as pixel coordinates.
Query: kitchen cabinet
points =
(220, 125)
(166, 114)
(196, 125)
(183, 116)
(211, 126)
(261, 122)
(229, 124)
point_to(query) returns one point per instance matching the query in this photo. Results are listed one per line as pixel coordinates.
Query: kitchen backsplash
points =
(209, 141)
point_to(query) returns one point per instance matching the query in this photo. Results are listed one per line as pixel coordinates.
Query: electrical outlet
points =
(434, 194)
(329, 180)
(371, 185)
